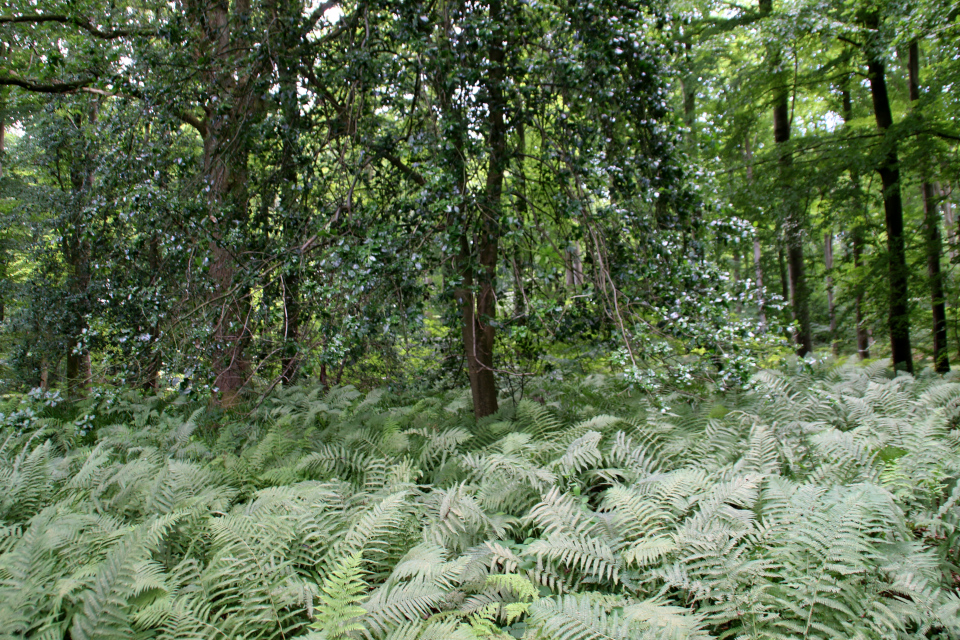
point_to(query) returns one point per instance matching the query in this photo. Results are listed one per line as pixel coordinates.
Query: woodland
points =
(542, 319)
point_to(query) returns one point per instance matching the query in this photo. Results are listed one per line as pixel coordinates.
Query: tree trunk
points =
(3, 243)
(226, 148)
(828, 263)
(151, 379)
(784, 280)
(792, 212)
(863, 339)
(899, 308)
(761, 310)
(757, 253)
(949, 220)
(76, 251)
(856, 234)
(485, 393)
(793, 225)
(932, 240)
(290, 209)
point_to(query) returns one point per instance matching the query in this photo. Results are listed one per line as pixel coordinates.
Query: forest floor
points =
(823, 504)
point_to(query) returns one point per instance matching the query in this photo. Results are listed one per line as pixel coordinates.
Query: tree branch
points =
(13, 80)
(86, 25)
(404, 168)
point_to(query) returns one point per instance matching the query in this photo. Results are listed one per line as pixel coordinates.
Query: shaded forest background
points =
(227, 197)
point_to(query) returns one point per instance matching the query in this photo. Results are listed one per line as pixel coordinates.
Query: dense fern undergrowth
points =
(816, 505)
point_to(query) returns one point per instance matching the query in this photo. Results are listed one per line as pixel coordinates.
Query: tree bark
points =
(792, 212)
(856, 234)
(290, 209)
(3, 242)
(76, 251)
(932, 240)
(793, 224)
(485, 392)
(828, 263)
(784, 280)
(889, 170)
(235, 105)
(863, 338)
(757, 253)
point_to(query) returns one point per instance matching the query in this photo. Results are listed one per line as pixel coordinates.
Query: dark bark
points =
(932, 240)
(76, 251)
(488, 239)
(793, 223)
(889, 170)
(237, 106)
(293, 223)
(792, 215)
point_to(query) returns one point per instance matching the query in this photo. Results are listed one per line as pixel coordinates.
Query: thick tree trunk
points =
(228, 201)
(932, 241)
(899, 307)
(234, 109)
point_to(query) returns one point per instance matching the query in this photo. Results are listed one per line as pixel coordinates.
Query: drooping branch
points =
(81, 23)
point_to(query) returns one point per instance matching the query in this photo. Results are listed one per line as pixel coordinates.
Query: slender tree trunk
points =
(3, 240)
(290, 208)
(76, 250)
(3, 123)
(757, 253)
(689, 87)
(899, 308)
(932, 240)
(150, 380)
(793, 227)
(949, 220)
(856, 234)
(863, 339)
(485, 393)
(784, 280)
(828, 263)
(792, 213)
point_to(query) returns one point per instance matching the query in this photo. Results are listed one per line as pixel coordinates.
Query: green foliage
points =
(822, 504)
